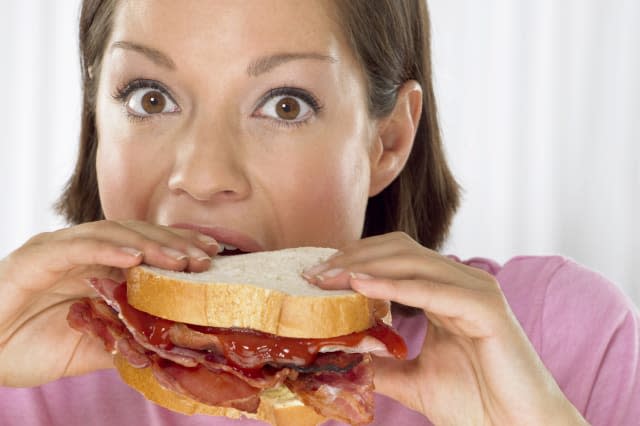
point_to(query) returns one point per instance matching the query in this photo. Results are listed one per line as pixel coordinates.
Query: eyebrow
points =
(267, 63)
(154, 54)
(259, 66)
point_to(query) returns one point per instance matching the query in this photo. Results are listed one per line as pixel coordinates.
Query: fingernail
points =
(336, 254)
(131, 251)
(196, 253)
(210, 241)
(360, 276)
(315, 270)
(173, 253)
(331, 273)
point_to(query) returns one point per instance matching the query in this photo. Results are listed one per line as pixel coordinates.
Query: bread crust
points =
(248, 306)
(272, 410)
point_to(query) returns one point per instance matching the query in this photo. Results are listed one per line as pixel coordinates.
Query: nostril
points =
(208, 172)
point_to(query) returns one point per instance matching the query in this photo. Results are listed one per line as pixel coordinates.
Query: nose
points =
(209, 167)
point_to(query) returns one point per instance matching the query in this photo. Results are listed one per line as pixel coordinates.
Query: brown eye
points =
(288, 108)
(153, 102)
(143, 99)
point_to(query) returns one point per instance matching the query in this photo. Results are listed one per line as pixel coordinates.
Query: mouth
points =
(229, 250)
(231, 242)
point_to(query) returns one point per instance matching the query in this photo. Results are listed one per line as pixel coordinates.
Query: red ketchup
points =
(155, 329)
(259, 348)
(248, 349)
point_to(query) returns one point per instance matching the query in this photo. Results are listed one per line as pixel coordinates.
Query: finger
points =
(393, 255)
(361, 250)
(335, 272)
(474, 312)
(389, 244)
(404, 266)
(407, 256)
(393, 378)
(199, 247)
(83, 252)
(161, 247)
(196, 238)
(178, 239)
(58, 257)
(334, 279)
(391, 239)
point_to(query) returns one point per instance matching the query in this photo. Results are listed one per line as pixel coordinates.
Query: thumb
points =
(397, 379)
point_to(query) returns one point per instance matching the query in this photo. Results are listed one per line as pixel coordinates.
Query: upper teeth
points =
(228, 247)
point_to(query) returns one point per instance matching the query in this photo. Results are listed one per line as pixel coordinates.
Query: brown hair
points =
(80, 200)
(391, 40)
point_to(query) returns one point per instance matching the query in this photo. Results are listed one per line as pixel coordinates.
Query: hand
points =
(476, 365)
(41, 279)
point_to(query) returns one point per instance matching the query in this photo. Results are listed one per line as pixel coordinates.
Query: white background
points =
(539, 102)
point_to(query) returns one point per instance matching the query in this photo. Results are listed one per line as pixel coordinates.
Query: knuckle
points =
(413, 257)
(186, 239)
(348, 247)
(190, 233)
(89, 228)
(395, 288)
(406, 241)
(39, 239)
(402, 236)
(490, 281)
(129, 223)
(149, 246)
(76, 244)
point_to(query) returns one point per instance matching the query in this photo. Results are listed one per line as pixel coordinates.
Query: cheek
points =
(115, 176)
(125, 178)
(326, 196)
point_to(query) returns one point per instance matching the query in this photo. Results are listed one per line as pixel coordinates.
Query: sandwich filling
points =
(230, 367)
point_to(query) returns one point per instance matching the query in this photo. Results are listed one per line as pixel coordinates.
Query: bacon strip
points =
(344, 396)
(193, 361)
(210, 387)
(94, 317)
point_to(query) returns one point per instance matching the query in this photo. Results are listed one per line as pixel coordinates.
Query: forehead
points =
(224, 30)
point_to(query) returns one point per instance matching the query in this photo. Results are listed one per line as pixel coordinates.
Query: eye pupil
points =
(153, 102)
(288, 108)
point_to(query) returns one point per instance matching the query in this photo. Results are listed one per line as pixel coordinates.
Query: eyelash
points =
(296, 92)
(123, 92)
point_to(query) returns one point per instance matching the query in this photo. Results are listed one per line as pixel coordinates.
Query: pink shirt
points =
(586, 332)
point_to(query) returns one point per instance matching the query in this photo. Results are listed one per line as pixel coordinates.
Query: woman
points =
(299, 123)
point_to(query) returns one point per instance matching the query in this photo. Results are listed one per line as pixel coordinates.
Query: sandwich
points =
(250, 337)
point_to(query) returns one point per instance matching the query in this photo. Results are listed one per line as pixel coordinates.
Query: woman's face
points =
(248, 118)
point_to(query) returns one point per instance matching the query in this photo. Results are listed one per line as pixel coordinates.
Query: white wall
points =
(539, 101)
(540, 104)
(39, 113)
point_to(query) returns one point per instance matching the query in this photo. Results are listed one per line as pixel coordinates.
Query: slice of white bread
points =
(278, 406)
(263, 291)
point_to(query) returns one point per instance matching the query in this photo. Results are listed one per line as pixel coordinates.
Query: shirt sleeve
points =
(591, 345)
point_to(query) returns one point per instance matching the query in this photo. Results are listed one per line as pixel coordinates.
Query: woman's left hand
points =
(476, 365)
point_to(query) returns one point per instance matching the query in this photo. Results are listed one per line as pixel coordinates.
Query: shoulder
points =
(546, 291)
(586, 331)
(591, 344)
(524, 280)
(556, 297)
(582, 298)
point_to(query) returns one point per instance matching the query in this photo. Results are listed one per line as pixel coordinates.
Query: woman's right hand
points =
(40, 280)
